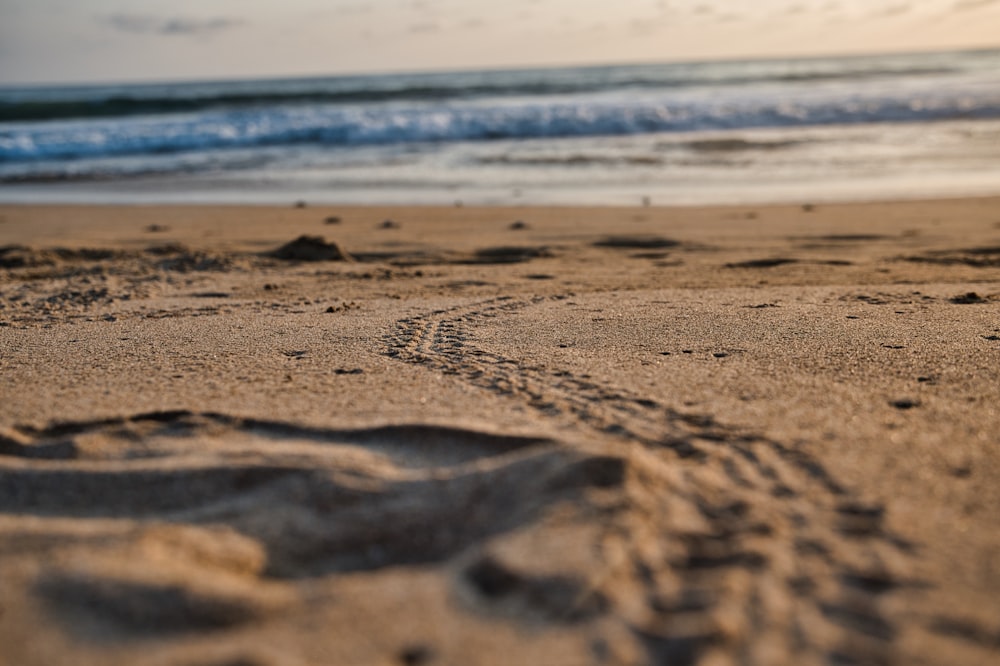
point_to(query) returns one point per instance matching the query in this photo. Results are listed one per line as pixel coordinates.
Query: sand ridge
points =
(599, 436)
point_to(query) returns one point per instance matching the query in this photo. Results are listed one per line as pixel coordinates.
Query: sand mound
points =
(311, 248)
(542, 532)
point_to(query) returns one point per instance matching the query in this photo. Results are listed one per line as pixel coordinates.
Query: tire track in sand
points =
(748, 550)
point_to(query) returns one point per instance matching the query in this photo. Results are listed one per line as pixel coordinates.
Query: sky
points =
(96, 41)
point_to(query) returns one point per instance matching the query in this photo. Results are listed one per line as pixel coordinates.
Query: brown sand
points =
(601, 436)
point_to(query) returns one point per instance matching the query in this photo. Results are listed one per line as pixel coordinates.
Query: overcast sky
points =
(114, 40)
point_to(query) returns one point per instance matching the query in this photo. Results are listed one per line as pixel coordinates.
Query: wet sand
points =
(334, 435)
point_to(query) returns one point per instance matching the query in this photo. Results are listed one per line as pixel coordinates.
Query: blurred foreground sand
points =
(762, 435)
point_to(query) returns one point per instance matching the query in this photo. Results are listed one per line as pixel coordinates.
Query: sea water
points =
(874, 127)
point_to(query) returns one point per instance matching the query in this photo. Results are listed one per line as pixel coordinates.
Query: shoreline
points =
(580, 435)
(187, 191)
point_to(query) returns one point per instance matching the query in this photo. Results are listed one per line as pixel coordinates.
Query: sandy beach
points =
(311, 435)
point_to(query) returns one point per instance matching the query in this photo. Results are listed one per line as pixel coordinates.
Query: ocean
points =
(818, 129)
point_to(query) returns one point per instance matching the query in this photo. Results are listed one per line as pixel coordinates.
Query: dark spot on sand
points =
(978, 257)
(850, 238)
(991, 337)
(177, 257)
(21, 256)
(416, 655)
(970, 298)
(802, 585)
(808, 208)
(157, 228)
(462, 284)
(236, 661)
(540, 276)
(491, 579)
(860, 519)
(983, 251)
(762, 263)
(857, 618)
(763, 305)
(894, 346)
(967, 630)
(210, 294)
(348, 371)
(311, 248)
(595, 472)
(518, 225)
(332, 219)
(556, 597)
(640, 241)
(904, 403)
(389, 224)
(167, 249)
(926, 379)
(270, 287)
(300, 204)
(720, 354)
(508, 255)
(874, 582)
(146, 608)
(343, 307)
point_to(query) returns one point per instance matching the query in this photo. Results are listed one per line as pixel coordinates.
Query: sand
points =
(331, 435)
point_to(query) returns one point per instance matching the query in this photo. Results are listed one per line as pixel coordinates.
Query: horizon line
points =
(130, 82)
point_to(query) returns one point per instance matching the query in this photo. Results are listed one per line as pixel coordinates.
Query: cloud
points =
(351, 10)
(893, 10)
(146, 24)
(963, 5)
(643, 26)
(429, 26)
